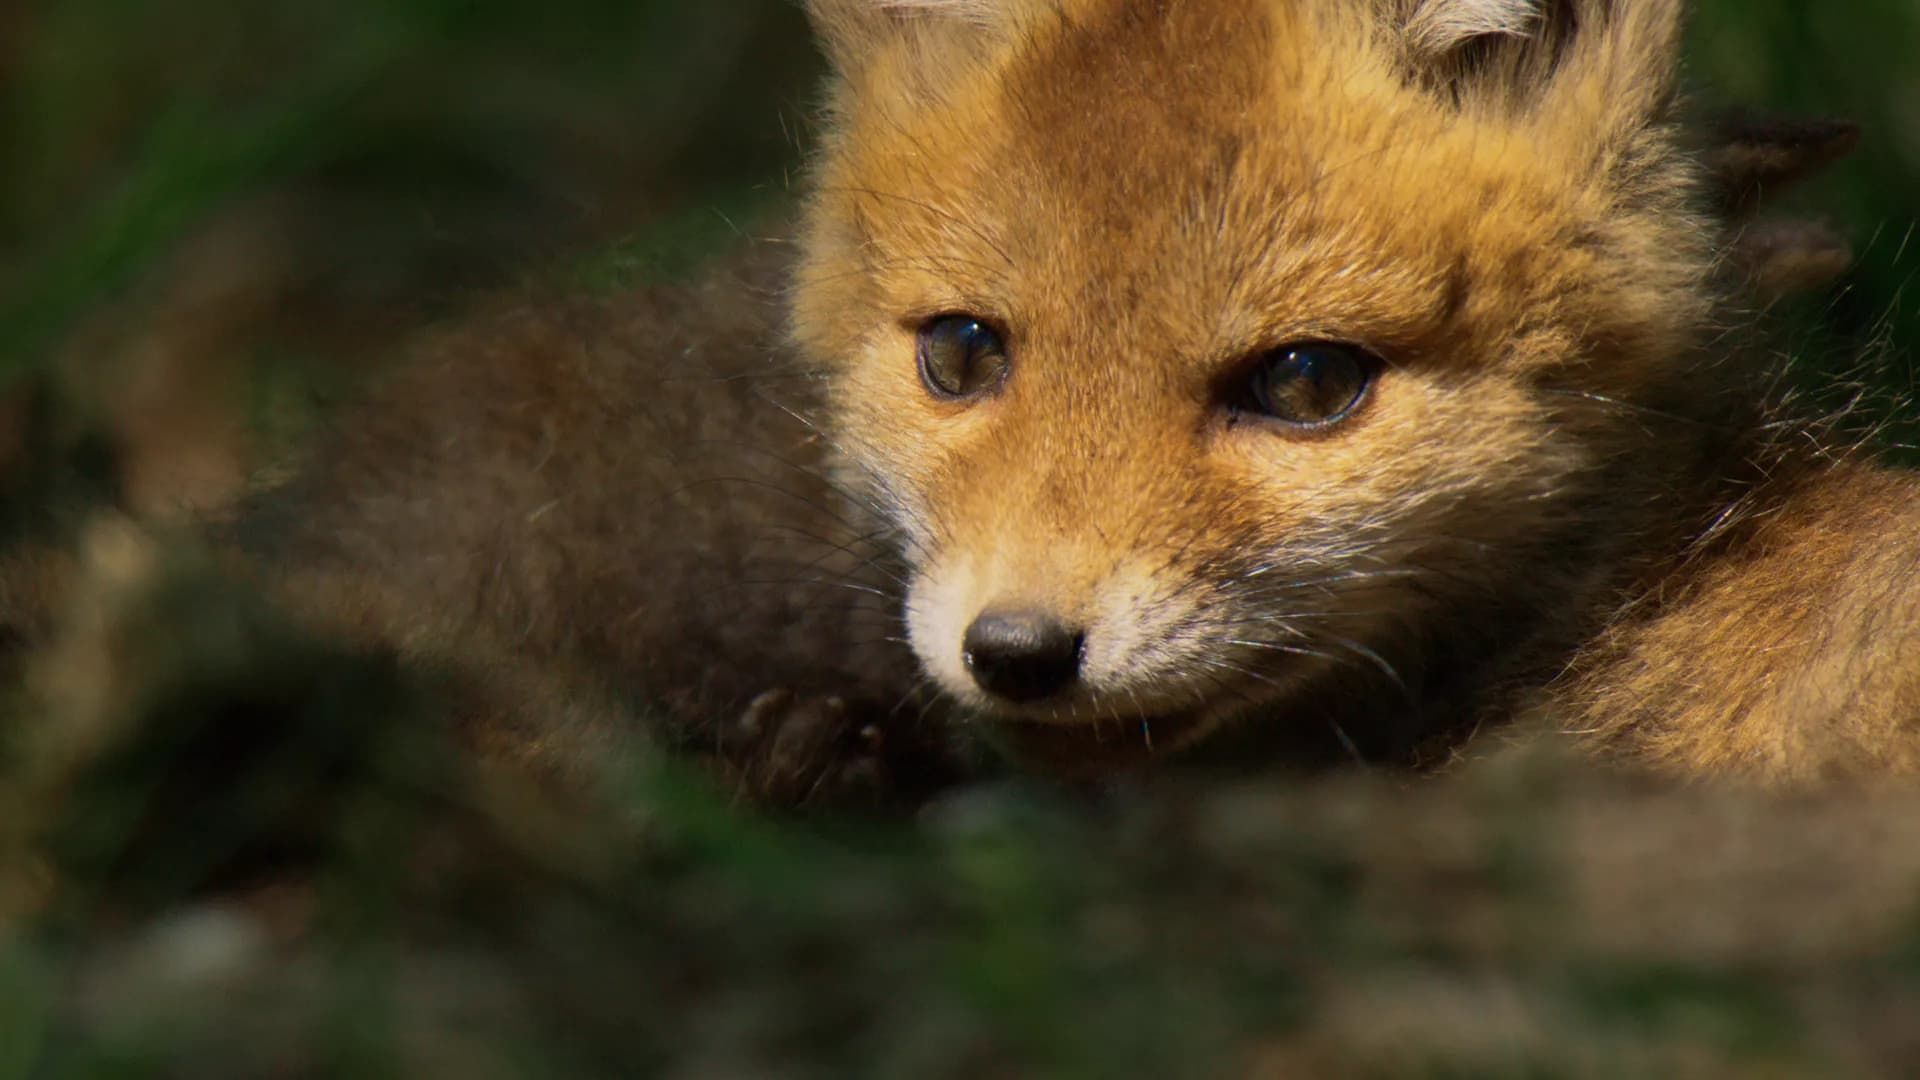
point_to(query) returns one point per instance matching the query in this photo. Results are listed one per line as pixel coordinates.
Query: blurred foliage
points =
(1852, 61)
(462, 136)
(246, 203)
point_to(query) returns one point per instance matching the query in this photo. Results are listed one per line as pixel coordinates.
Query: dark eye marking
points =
(961, 357)
(1308, 386)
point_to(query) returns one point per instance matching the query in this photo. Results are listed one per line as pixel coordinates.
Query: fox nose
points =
(1023, 656)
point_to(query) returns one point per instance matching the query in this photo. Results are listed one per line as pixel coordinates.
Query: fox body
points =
(1355, 374)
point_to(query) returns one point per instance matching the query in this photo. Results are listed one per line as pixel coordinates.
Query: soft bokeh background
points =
(216, 216)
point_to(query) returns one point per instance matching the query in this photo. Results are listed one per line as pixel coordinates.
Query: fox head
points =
(1210, 353)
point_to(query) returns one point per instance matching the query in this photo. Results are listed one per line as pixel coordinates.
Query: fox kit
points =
(1353, 365)
(1358, 374)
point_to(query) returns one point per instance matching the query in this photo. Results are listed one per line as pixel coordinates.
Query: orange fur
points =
(1143, 195)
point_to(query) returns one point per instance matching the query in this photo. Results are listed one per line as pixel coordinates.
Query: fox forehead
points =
(1224, 174)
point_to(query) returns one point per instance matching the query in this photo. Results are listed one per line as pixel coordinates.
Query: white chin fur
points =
(1135, 657)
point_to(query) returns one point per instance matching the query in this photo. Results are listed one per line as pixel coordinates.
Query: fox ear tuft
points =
(853, 30)
(1435, 28)
(1600, 70)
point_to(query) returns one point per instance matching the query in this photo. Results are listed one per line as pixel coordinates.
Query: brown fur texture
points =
(603, 516)
(1142, 196)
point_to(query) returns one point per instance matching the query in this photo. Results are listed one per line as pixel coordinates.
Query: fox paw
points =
(813, 750)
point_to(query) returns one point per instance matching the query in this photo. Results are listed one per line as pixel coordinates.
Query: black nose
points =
(1023, 656)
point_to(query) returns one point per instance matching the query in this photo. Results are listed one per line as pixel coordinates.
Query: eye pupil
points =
(1311, 385)
(961, 357)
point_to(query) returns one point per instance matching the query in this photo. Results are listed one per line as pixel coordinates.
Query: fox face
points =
(1204, 351)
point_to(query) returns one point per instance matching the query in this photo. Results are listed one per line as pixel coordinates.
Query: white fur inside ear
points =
(977, 12)
(1437, 26)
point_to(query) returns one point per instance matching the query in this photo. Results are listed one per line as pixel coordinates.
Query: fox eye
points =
(961, 357)
(1312, 385)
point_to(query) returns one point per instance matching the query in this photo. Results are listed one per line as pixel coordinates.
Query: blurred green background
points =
(426, 147)
(211, 212)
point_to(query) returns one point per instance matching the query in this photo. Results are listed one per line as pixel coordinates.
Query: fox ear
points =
(1436, 28)
(853, 31)
(1604, 68)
